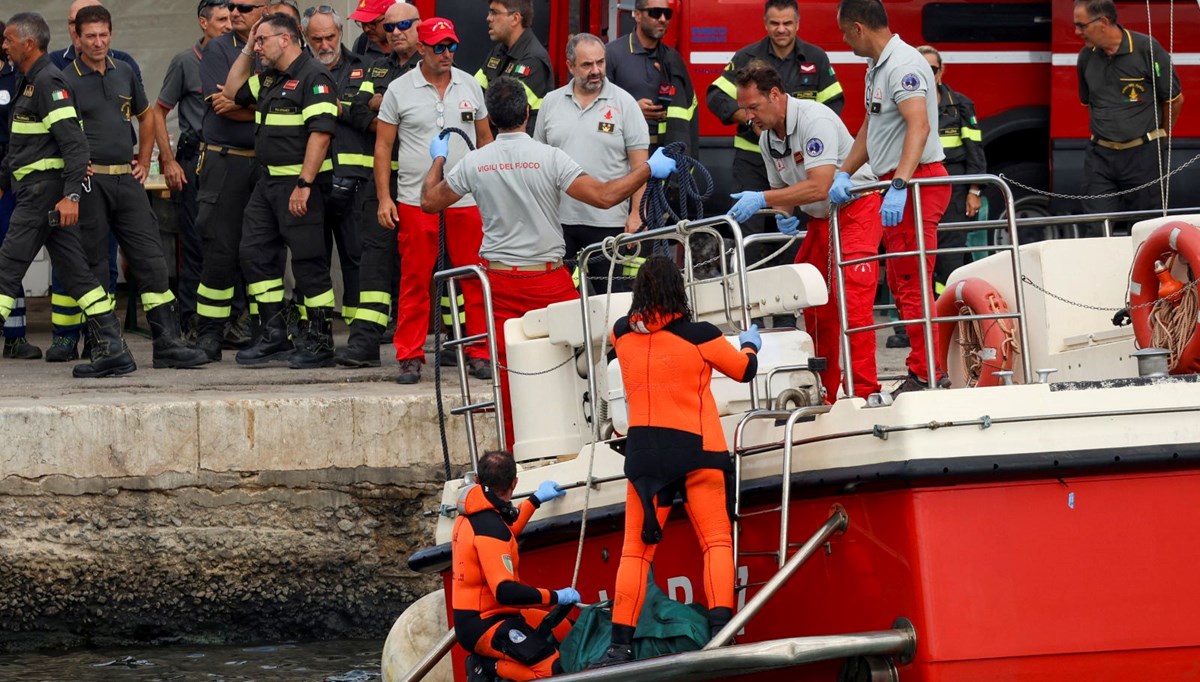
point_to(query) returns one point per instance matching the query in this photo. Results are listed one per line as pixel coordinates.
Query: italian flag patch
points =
(59, 95)
(321, 90)
(522, 70)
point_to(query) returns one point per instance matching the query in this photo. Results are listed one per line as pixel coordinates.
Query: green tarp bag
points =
(665, 626)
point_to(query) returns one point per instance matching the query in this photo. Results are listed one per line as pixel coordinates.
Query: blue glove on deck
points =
(892, 209)
(568, 595)
(661, 165)
(752, 337)
(839, 191)
(547, 491)
(748, 203)
(439, 147)
(789, 225)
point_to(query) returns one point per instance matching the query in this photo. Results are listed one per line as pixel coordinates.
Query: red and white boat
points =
(1037, 530)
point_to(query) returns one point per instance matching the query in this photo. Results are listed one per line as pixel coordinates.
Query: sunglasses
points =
(389, 27)
(243, 8)
(659, 13)
(443, 47)
(441, 115)
(936, 70)
(323, 9)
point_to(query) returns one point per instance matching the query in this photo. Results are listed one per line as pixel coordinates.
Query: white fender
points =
(415, 632)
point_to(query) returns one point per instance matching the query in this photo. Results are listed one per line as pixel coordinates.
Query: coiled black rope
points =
(439, 289)
(690, 176)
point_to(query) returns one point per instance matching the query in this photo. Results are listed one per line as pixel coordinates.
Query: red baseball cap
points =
(370, 10)
(435, 30)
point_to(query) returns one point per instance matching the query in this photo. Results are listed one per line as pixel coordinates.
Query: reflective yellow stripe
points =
(740, 142)
(151, 300)
(320, 108)
(96, 302)
(27, 128)
(446, 300)
(363, 160)
(481, 78)
(282, 120)
(325, 300)
(294, 170)
(631, 267)
(374, 317)
(726, 86)
(41, 165)
(6, 305)
(682, 113)
(348, 312)
(58, 115)
(379, 297)
(395, 165)
(63, 301)
(253, 307)
(449, 319)
(972, 134)
(217, 312)
(275, 296)
(256, 288)
(367, 86)
(64, 320)
(662, 128)
(215, 294)
(829, 92)
(535, 102)
(951, 141)
(254, 85)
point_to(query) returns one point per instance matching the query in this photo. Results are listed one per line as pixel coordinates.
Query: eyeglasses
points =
(443, 47)
(323, 9)
(499, 13)
(262, 39)
(659, 13)
(404, 25)
(243, 8)
(1086, 23)
(441, 118)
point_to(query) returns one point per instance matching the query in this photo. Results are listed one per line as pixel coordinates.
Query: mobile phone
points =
(666, 94)
(54, 218)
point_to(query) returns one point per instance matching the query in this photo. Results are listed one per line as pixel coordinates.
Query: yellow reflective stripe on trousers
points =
(7, 303)
(256, 288)
(742, 143)
(951, 141)
(372, 316)
(726, 86)
(363, 160)
(63, 301)
(294, 170)
(28, 128)
(829, 92)
(96, 302)
(481, 78)
(377, 297)
(972, 134)
(535, 102)
(318, 109)
(40, 165)
(59, 115)
(151, 300)
(63, 320)
(348, 313)
(215, 294)
(213, 311)
(681, 112)
(325, 300)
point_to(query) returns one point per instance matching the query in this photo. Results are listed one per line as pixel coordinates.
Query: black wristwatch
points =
(899, 183)
(302, 183)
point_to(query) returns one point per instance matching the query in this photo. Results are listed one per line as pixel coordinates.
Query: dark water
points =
(339, 661)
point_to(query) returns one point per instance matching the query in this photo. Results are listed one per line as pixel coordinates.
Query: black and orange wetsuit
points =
(675, 445)
(492, 607)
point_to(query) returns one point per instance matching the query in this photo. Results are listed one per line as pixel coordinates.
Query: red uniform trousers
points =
(515, 293)
(860, 230)
(418, 244)
(903, 274)
(511, 669)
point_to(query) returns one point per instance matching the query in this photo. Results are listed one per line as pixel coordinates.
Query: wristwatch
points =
(73, 196)
(899, 183)
(302, 183)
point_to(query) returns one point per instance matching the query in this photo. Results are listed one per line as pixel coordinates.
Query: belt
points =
(118, 169)
(508, 267)
(216, 148)
(1135, 142)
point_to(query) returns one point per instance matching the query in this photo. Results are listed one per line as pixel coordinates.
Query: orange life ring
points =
(1175, 237)
(998, 335)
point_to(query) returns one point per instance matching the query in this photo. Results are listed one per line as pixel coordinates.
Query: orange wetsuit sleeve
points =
(739, 365)
(524, 512)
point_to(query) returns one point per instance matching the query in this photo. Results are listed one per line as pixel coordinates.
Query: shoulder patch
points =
(356, 73)
(910, 81)
(814, 146)
(493, 62)
(377, 72)
(490, 524)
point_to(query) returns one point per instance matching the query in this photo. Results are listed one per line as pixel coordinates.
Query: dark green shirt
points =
(1124, 91)
(107, 103)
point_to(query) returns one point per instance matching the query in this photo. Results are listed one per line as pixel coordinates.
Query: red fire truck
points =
(1014, 58)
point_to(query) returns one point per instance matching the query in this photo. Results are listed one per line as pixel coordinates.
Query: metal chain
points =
(538, 373)
(1108, 195)
(1026, 280)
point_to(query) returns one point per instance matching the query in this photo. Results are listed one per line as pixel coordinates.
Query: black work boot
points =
(210, 332)
(110, 355)
(315, 348)
(481, 669)
(718, 618)
(63, 348)
(362, 350)
(20, 349)
(273, 342)
(621, 649)
(170, 352)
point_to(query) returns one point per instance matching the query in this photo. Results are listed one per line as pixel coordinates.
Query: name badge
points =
(468, 116)
(378, 73)
(606, 127)
(876, 107)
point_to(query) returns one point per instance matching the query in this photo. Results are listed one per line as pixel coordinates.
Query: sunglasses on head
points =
(213, 3)
(399, 25)
(323, 9)
(443, 47)
(659, 13)
(243, 8)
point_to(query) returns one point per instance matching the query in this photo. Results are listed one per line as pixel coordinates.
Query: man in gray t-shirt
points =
(897, 139)
(517, 183)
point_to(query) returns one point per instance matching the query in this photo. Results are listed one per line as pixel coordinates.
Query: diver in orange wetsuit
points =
(676, 444)
(496, 616)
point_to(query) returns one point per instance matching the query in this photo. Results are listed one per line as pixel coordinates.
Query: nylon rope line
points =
(1158, 122)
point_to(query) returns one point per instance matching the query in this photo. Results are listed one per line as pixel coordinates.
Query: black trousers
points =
(191, 253)
(344, 228)
(29, 229)
(578, 237)
(750, 175)
(270, 230)
(380, 264)
(118, 204)
(225, 184)
(1109, 170)
(956, 212)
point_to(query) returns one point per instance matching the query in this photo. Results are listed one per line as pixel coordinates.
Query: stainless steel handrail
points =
(785, 513)
(738, 430)
(452, 276)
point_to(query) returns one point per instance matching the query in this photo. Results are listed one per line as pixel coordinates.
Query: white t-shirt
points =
(900, 74)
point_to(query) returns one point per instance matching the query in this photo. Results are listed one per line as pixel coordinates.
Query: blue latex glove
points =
(748, 203)
(839, 191)
(752, 337)
(568, 595)
(661, 165)
(893, 206)
(440, 146)
(547, 491)
(789, 225)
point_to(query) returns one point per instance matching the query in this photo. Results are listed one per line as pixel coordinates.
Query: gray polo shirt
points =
(900, 73)
(517, 183)
(815, 137)
(598, 138)
(181, 87)
(106, 103)
(412, 104)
